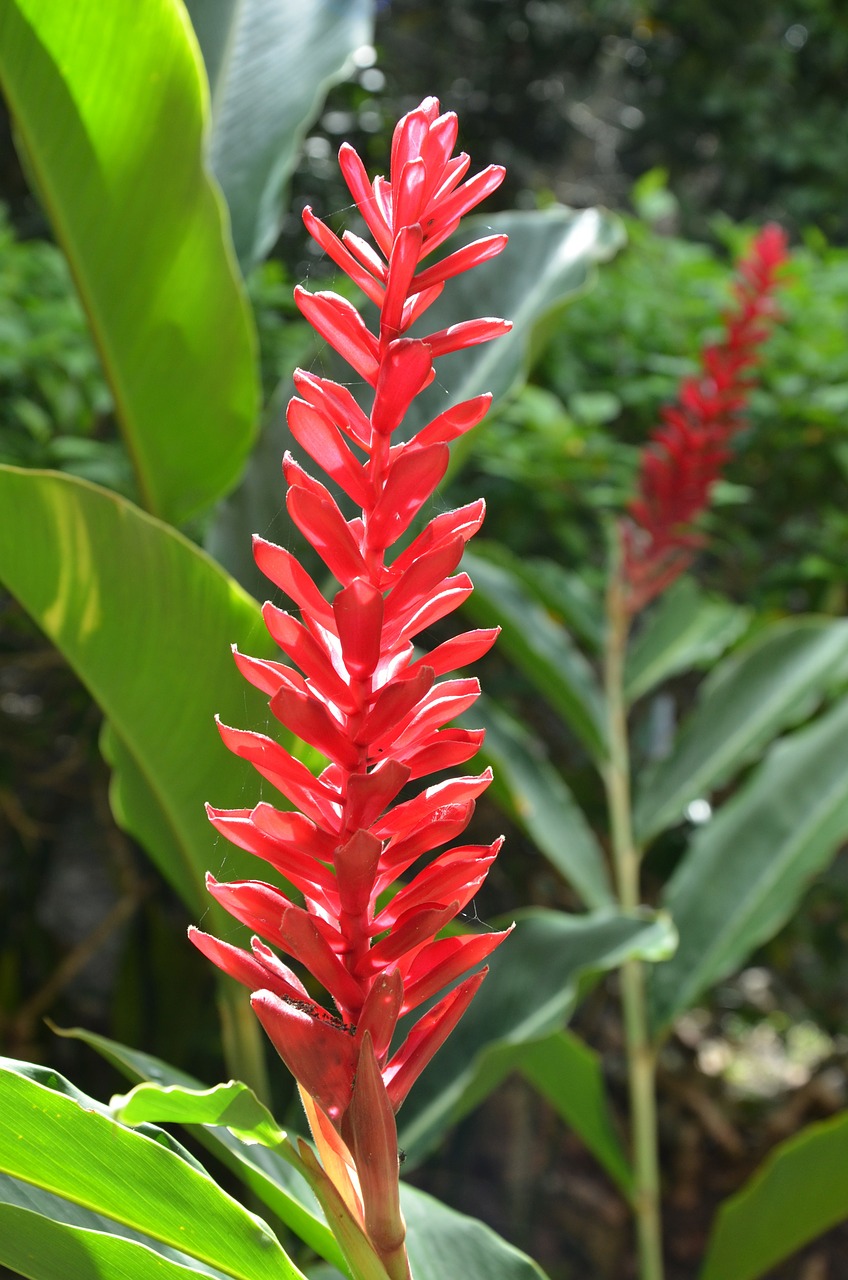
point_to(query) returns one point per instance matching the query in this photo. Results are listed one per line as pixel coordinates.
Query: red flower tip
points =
(685, 455)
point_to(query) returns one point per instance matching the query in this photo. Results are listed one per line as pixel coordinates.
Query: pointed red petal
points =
(427, 1037)
(405, 368)
(340, 324)
(358, 611)
(321, 1056)
(444, 961)
(245, 968)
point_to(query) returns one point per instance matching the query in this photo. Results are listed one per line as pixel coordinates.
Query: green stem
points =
(641, 1061)
(242, 1039)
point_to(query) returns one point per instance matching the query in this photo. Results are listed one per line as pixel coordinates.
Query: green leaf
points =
(540, 647)
(443, 1243)
(146, 620)
(265, 1173)
(110, 104)
(37, 1245)
(686, 629)
(769, 684)
(270, 64)
(568, 1073)
(565, 595)
(69, 1149)
(800, 1192)
(550, 260)
(747, 868)
(529, 992)
(535, 796)
(232, 1105)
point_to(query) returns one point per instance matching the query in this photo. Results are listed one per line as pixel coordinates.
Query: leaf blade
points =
(686, 629)
(746, 869)
(766, 686)
(265, 1173)
(95, 109)
(76, 1152)
(535, 795)
(101, 577)
(270, 64)
(541, 648)
(800, 1191)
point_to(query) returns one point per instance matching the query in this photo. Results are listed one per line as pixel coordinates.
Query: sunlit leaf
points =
(110, 104)
(59, 1144)
(146, 620)
(232, 1105)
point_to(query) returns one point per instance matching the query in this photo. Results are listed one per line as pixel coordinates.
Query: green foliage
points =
(801, 1191)
(161, 739)
(769, 684)
(747, 869)
(94, 95)
(140, 1183)
(562, 454)
(436, 1234)
(54, 405)
(269, 63)
(530, 991)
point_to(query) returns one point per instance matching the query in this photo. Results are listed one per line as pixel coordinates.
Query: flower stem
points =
(640, 1053)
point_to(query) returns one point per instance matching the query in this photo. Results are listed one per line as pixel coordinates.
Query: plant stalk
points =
(641, 1058)
(242, 1039)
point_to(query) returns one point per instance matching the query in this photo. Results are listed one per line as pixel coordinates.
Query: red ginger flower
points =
(686, 454)
(359, 695)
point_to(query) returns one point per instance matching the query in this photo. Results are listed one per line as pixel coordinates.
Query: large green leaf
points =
(568, 1073)
(747, 868)
(435, 1233)
(146, 620)
(767, 685)
(60, 1144)
(686, 629)
(534, 794)
(270, 64)
(265, 1173)
(39, 1244)
(233, 1106)
(567, 596)
(529, 992)
(800, 1192)
(110, 104)
(550, 259)
(541, 647)
(443, 1243)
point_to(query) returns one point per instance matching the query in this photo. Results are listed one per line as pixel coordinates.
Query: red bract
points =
(358, 693)
(685, 455)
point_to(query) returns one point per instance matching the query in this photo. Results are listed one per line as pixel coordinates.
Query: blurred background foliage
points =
(697, 123)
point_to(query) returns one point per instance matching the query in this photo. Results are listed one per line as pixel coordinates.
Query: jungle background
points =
(696, 123)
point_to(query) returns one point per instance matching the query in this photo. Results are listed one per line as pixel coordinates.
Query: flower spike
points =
(686, 453)
(357, 691)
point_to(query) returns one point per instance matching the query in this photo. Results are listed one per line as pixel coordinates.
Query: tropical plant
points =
(146, 618)
(744, 869)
